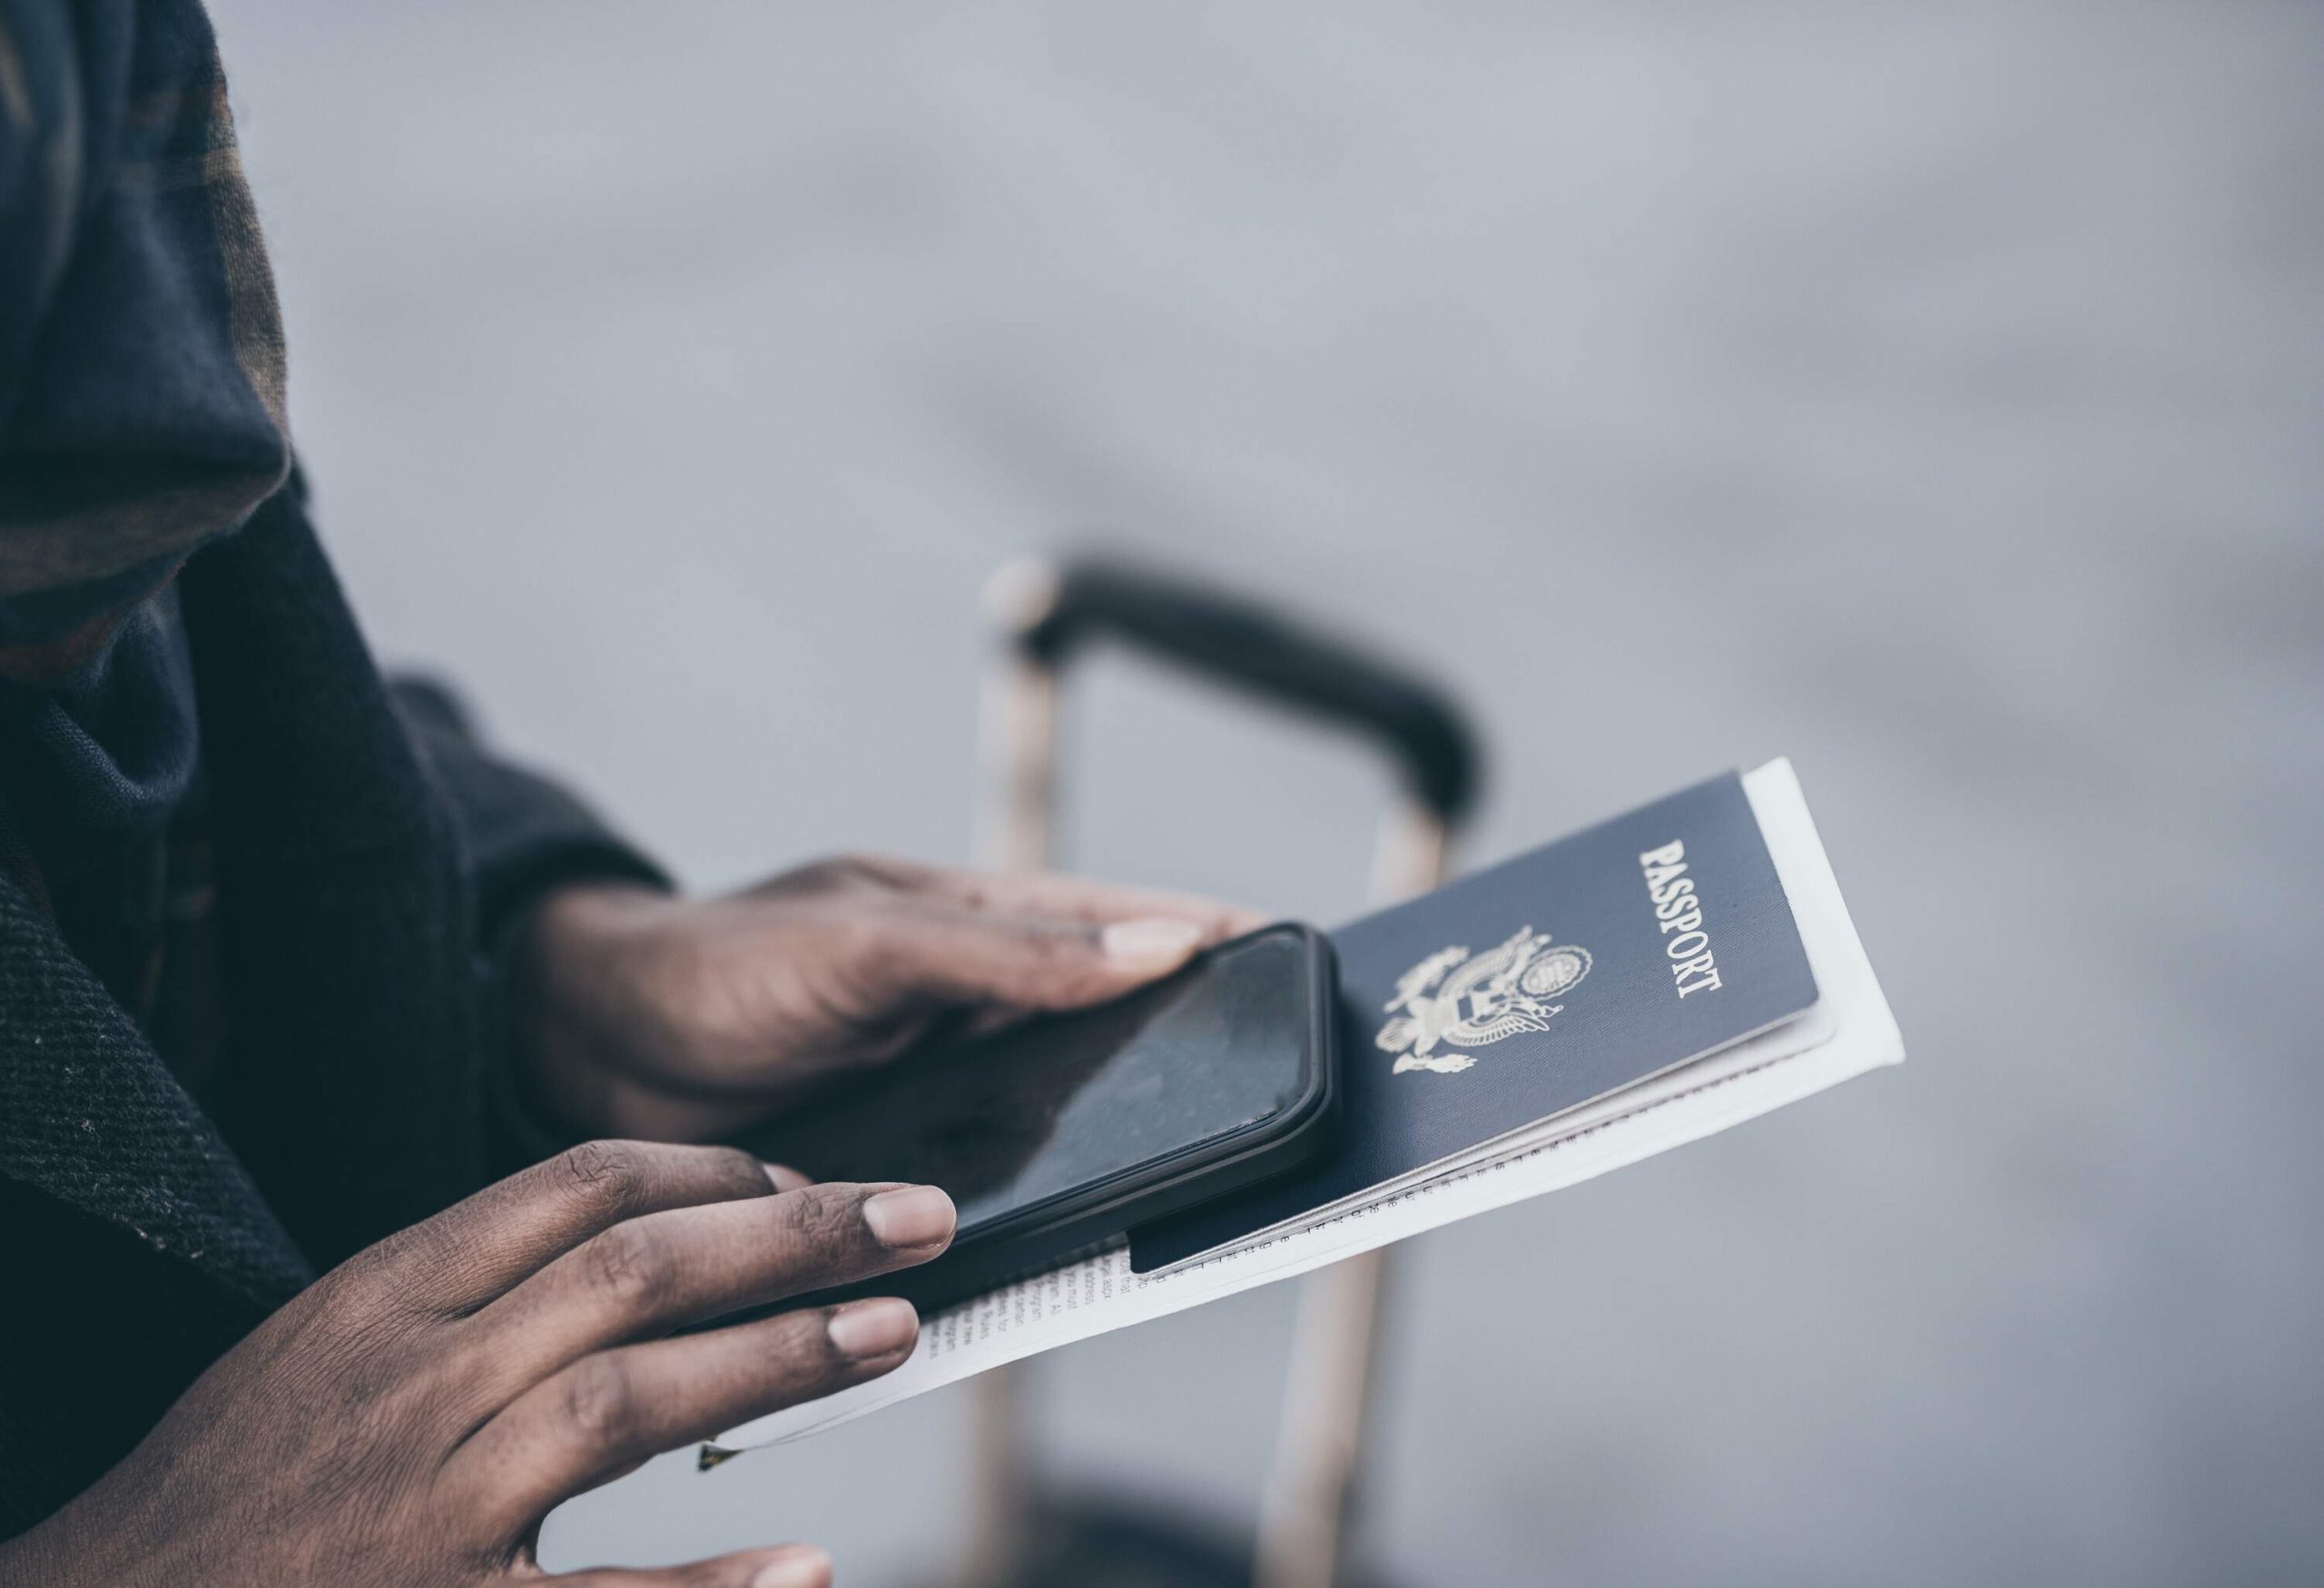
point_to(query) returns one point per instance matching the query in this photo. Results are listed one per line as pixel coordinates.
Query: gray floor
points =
(1933, 394)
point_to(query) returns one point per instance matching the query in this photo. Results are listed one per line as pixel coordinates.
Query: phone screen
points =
(1009, 1120)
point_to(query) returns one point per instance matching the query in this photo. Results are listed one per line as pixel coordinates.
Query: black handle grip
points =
(1261, 652)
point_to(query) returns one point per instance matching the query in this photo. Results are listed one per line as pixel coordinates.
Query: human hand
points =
(408, 1419)
(642, 1014)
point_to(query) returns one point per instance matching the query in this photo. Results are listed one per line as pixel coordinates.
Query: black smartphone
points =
(1057, 1135)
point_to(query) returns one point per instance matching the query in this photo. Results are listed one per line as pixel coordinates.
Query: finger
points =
(475, 1250)
(937, 952)
(645, 1276)
(1083, 899)
(798, 1565)
(607, 1413)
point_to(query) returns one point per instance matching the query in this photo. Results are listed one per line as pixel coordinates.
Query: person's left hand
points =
(637, 1013)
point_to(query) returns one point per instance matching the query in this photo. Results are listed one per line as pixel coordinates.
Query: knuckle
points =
(1082, 942)
(347, 1288)
(864, 865)
(454, 1385)
(633, 1265)
(1036, 940)
(335, 1312)
(817, 874)
(850, 870)
(599, 1403)
(1063, 965)
(609, 1174)
(1057, 943)
(383, 1279)
(820, 1219)
(798, 1360)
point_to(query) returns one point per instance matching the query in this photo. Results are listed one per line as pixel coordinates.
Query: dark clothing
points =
(366, 853)
(248, 894)
(101, 819)
(104, 757)
(141, 349)
(141, 415)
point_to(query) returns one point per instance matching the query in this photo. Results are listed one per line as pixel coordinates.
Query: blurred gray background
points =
(1933, 394)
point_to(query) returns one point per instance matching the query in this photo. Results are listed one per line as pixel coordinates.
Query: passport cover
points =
(1523, 990)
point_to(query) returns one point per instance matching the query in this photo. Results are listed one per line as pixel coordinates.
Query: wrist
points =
(597, 1036)
(577, 1028)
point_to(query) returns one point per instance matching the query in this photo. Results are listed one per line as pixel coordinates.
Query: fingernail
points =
(797, 1568)
(866, 1330)
(784, 1177)
(909, 1216)
(1156, 943)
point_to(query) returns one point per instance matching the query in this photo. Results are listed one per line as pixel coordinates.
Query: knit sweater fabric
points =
(368, 853)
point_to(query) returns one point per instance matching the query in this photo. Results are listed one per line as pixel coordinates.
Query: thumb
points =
(797, 1565)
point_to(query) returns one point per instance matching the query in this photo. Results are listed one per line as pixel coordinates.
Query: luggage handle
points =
(1051, 609)
(1045, 611)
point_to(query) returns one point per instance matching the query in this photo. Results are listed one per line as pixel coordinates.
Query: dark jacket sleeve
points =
(523, 838)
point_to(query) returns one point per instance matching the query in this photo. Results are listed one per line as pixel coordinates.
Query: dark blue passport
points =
(1531, 988)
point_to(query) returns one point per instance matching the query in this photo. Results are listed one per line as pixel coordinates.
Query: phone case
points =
(1098, 1216)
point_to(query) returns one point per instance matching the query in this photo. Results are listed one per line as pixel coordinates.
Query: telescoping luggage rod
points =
(1046, 614)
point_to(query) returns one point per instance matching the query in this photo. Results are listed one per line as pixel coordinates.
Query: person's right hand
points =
(408, 1419)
